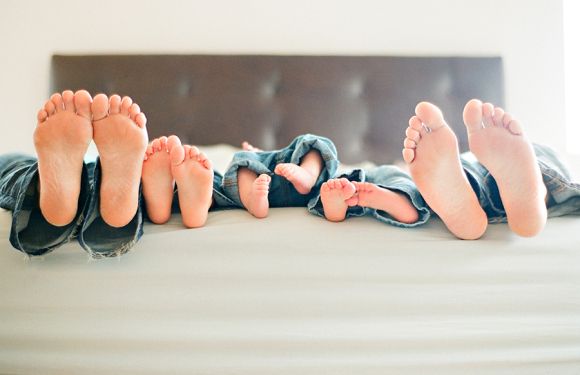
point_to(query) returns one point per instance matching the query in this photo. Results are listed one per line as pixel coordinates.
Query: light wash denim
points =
(282, 192)
(563, 194)
(388, 177)
(33, 235)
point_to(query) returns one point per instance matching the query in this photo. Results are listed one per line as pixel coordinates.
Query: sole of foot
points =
(334, 195)
(498, 142)
(257, 203)
(432, 153)
(121, 137)
(395, 204)
(193, 174)
(61, 139)
(299, 177)
(158, 182)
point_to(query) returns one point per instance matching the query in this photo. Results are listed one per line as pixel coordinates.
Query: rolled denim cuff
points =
(563, 194)
(98, 238)
(30, 232)
(387, 177)
(282, 192)
(394, 179)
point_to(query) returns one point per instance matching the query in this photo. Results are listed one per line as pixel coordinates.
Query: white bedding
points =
(294, 294)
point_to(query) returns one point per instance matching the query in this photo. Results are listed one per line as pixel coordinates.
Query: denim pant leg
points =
(30, 232)
(387, 177)
(563, 194)
(282, 192)
(97, 237)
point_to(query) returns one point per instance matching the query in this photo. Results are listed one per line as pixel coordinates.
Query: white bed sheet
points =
(294, 294)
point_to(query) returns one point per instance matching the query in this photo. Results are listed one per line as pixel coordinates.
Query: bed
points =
(294, 294)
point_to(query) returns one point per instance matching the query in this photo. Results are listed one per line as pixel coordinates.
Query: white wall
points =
(527, 33)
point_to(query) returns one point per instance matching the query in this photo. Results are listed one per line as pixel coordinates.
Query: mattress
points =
(295, 294)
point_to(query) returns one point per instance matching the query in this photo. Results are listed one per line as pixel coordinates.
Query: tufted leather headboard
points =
(363, 103)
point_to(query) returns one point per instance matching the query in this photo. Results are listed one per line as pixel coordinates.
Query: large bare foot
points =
(61, 139)
(334, 194)
(432, 153)
(158, 181)
(498, 142)
(395, 204)
(193, 174)
(121, 138)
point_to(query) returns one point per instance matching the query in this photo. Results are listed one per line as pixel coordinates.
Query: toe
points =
(413, 135)
(409, 143)
(140, 120)
(507, 118)
(473, 115)
(115, 104)
(156, 145)
(134, 110)
(408, 155)
(163, 143)
(42, 115)
(194, 153)
(56, 99)
(82, 101)
(126, 104)
(487, 110)
(498, 114)
(49, 107)
(515, 127)
(430, 115)
(325, 188)
(100, 107)
(68, 101)
(176, 151)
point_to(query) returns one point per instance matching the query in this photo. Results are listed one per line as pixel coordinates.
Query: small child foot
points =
(121, 138)
(395, 204)
(498, 142)
(194, 178)
(299, 177)
(248, 147)
(432, 153)
(158, 182)
(257, 203)
(61, 139)
(334, 194)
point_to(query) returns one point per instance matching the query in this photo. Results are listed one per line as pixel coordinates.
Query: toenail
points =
(426, 128)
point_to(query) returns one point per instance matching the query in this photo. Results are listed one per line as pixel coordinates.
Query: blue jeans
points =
(388, 177)
(563, 194)
(282, 192)
(33, 235)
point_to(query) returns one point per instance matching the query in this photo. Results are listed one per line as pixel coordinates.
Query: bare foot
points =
(158, 181)
(395, 204)
(334, 194)
(254, 194)
(121, 138)
(498, 142)
(61, 139)
(300, 177)
(432, 153)
(193, 174)
(248, 147)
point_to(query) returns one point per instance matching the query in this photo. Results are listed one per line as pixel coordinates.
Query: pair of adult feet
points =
(66, 125)
(432, 153)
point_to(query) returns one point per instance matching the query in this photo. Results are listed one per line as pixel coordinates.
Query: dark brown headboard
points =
(363, 103)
